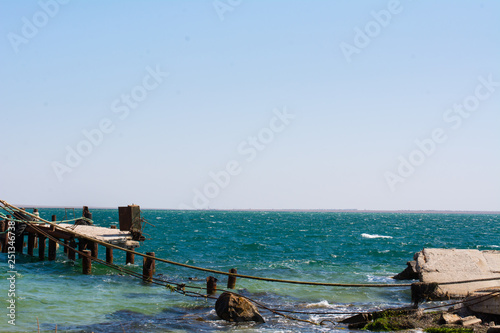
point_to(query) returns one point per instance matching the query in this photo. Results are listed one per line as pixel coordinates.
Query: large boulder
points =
(235, 308)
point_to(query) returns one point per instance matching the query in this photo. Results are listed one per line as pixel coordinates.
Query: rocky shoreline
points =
(456, 319)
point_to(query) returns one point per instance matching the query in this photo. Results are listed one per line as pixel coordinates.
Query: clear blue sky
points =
(172, 92)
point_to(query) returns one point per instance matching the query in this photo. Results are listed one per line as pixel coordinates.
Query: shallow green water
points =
(326, 247)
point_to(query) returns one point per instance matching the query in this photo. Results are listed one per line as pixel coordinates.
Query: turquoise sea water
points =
(307, 246)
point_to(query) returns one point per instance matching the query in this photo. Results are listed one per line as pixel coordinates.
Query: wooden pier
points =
(22, 229)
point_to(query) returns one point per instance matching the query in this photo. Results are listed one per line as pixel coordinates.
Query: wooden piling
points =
(130, 259)
(94, 248)
(52, 244)
(5, 248)
(231, 280)
(3, 227)
(66, 242)
(41, 247)
(52, 249)
(82, 246)
(71, 251)
(148, 267)
(211, 285)
(87, 262)
(31, 242)
(19, 245)
(109, 255)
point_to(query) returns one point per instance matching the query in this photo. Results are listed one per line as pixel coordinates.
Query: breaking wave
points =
(374, 236)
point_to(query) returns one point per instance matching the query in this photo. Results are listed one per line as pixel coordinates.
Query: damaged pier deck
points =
(80, 235)
(107, 235)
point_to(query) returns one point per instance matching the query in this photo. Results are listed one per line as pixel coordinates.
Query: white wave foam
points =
(321, 304)
(374, 236)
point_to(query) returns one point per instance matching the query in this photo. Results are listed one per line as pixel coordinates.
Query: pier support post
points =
(19, 245)
(71, 251)
(31, 242)
(231, 280)
(52, 250)
(66, 242)
(5, 247)
(130, 259)
(52, 243)
(93, 247)
(82, 246)
(41, 247)
(148, 267)
(3, 227)
(211, 285)
(109, 255)
(87, 262)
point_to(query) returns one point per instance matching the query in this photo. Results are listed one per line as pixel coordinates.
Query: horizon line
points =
(313, 210)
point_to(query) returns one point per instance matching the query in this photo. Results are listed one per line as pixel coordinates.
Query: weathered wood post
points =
(2, 229)
(130, 258)
(66, 242)
(35, 243)
(211, 285)
(231, 280)
(82, 246)
(5, 247)
(19, 245)
(93, 247)
(148, 267)
(52, 249)
(129, 219)
(87, 262)
(109, 255)
(52, 243)
(41, 246)
(71, 251)
(31, 242)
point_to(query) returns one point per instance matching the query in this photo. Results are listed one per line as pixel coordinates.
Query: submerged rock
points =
(233, 308)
